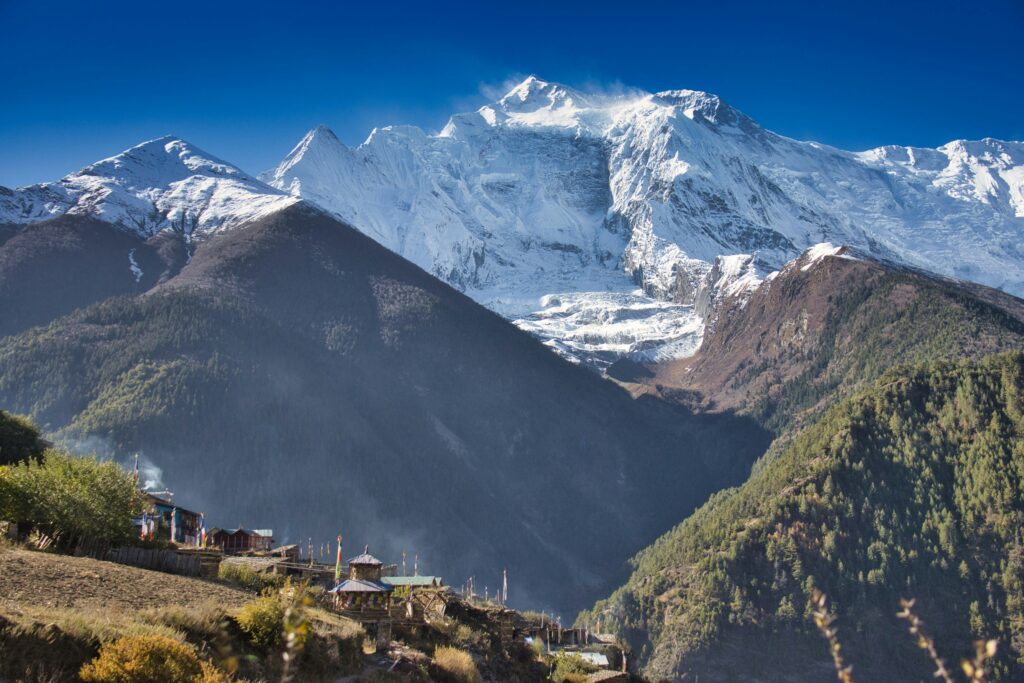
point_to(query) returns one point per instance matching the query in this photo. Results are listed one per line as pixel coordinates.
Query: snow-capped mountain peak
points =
(160, 161)
(317, 152)
(699, 105)
(318, 137)
(538, 104)
(533, 94)
(553, 205)
(321, 135)
(553, 191)
(165, 183)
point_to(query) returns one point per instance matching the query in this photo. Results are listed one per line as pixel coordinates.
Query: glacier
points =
(607, 225)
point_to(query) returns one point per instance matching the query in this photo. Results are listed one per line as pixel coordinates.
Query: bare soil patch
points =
(36, 579)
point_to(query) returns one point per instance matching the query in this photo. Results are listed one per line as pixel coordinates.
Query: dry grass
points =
(201, 621)
(325, 623)
(247, 578)
(90, 625)
(59, 611)
(456, 665)
(974, 669)
(824, 621)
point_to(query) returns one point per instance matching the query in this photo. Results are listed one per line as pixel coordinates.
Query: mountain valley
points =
(569, 329)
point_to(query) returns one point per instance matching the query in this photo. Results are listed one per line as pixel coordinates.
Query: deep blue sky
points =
(84, 80)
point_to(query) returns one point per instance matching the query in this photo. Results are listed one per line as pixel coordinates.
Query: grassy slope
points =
(915, 487)
(56, 612)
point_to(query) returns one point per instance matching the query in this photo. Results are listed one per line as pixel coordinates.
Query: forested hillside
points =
(913, 488)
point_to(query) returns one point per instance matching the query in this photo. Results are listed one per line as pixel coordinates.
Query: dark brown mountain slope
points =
(297, 375)
(53, 267)
(818, 331)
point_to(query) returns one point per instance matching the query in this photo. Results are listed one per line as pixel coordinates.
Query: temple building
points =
(363, 596)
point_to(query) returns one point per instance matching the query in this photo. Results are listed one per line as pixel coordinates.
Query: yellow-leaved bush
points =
(145, 659)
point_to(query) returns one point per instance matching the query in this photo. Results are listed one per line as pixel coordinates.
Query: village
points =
(386, 599)
(145, 569)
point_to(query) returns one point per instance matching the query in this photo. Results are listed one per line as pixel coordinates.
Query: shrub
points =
(461, 635)
(69, 498)
(455, 665)
(19, 439)
(143, 659)
(211, 674)
(262, 620)
(570, 668)
(523, 653)
(244, 576)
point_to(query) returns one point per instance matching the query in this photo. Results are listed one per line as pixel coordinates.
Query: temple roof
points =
(413, 580)
(361, 586)
(365, 558)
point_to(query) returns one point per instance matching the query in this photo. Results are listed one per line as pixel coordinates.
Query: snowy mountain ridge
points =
(552, 206)
(549, 180)
(161, 184)
(550, 193)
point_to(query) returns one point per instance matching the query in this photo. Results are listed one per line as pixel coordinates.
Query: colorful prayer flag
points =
(337, 564)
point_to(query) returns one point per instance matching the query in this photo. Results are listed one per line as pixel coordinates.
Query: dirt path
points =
(39, 579)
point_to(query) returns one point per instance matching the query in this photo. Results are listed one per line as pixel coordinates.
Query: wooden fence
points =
(185, 562)
(169, 561)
